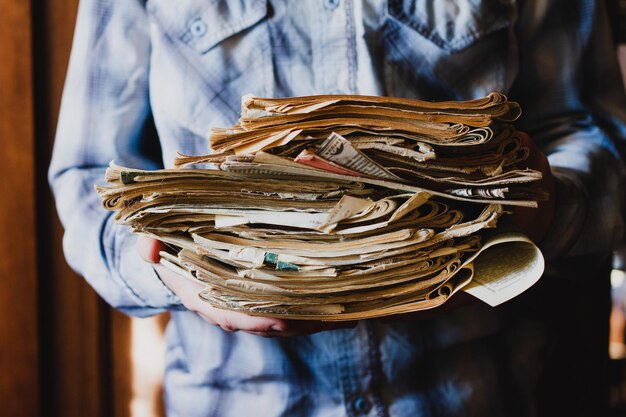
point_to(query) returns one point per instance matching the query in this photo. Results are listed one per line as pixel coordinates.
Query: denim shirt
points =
(182, 67)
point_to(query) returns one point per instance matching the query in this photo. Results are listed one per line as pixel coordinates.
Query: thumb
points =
(149, 249)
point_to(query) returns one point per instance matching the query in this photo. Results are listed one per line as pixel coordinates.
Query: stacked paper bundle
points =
(334, 207)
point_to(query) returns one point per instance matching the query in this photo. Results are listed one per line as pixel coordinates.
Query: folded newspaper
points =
(343, 207)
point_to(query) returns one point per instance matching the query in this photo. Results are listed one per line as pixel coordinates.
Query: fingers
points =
(306, 327)
(149, 249)
(232, 321)
(187, 290)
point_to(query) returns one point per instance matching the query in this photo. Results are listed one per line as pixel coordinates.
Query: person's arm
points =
(574, 108)
(104, 112)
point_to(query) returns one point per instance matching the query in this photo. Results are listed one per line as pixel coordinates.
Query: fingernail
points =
(277, 328)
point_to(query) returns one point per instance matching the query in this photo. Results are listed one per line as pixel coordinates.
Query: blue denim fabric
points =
(185, 64)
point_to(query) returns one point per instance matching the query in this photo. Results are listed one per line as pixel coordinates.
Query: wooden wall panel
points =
(87, 367)
(75, 328)
(19, 381)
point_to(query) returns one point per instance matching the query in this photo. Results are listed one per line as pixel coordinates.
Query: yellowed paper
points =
(506, 266)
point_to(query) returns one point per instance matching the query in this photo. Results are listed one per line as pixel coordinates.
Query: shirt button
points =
(362, 405)
(331, 4)
(198, 28)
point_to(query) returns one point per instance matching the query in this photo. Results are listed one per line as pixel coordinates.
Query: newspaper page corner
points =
(508, 265)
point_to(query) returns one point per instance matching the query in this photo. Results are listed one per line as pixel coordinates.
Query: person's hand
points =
(231, 321)
(535, 222)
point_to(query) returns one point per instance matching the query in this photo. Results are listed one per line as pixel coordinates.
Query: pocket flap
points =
(453, 25)
(202, 24)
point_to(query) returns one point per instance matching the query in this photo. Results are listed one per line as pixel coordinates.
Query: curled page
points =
(507, 265)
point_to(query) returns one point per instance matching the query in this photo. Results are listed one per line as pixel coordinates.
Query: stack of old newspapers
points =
(342, 207)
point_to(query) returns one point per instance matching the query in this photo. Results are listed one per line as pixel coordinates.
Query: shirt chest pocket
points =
(454, 49)
(206, 55)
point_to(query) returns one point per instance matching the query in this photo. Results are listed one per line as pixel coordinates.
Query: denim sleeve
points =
(574, 107)
(104, 113)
